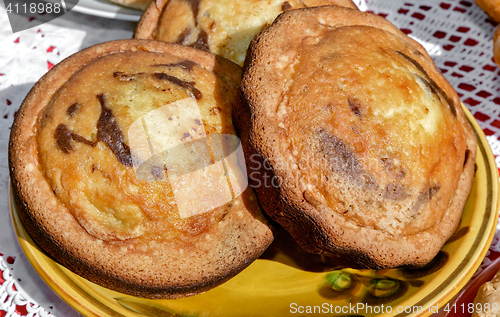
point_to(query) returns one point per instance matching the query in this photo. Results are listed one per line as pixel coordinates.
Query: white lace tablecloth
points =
(457, 34)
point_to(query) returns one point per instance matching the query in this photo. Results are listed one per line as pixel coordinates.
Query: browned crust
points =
(362, 246)
(496, 45)
(146, 27)
(341, 3)
(170, 274)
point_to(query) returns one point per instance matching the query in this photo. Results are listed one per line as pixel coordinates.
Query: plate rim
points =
(441, 296)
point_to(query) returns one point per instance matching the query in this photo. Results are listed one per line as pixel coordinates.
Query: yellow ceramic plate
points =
(286, 281)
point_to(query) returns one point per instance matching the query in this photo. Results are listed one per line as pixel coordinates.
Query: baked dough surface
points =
(223, 27)
(92, 117)
(368, 142)
(96, 189)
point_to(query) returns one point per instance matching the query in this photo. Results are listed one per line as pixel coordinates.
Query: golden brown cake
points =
(357, 145)
(124, 160)
(223, 27)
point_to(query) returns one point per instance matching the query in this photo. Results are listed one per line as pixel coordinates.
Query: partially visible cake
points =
(223, 27)
(363, 144)
(487, 300)
(124, 165)
(491, 7)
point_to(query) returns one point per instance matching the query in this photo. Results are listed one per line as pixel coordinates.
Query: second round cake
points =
(358, 145)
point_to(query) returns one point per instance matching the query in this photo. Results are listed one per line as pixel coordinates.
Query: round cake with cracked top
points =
(223, 27)
(357, 144)
(124, 165)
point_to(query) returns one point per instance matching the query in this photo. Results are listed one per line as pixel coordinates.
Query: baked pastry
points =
(123, 161)
(134, 4)
(487, 299)
(357, 145)
(223, 27)
(496, 46)
(491, 7)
